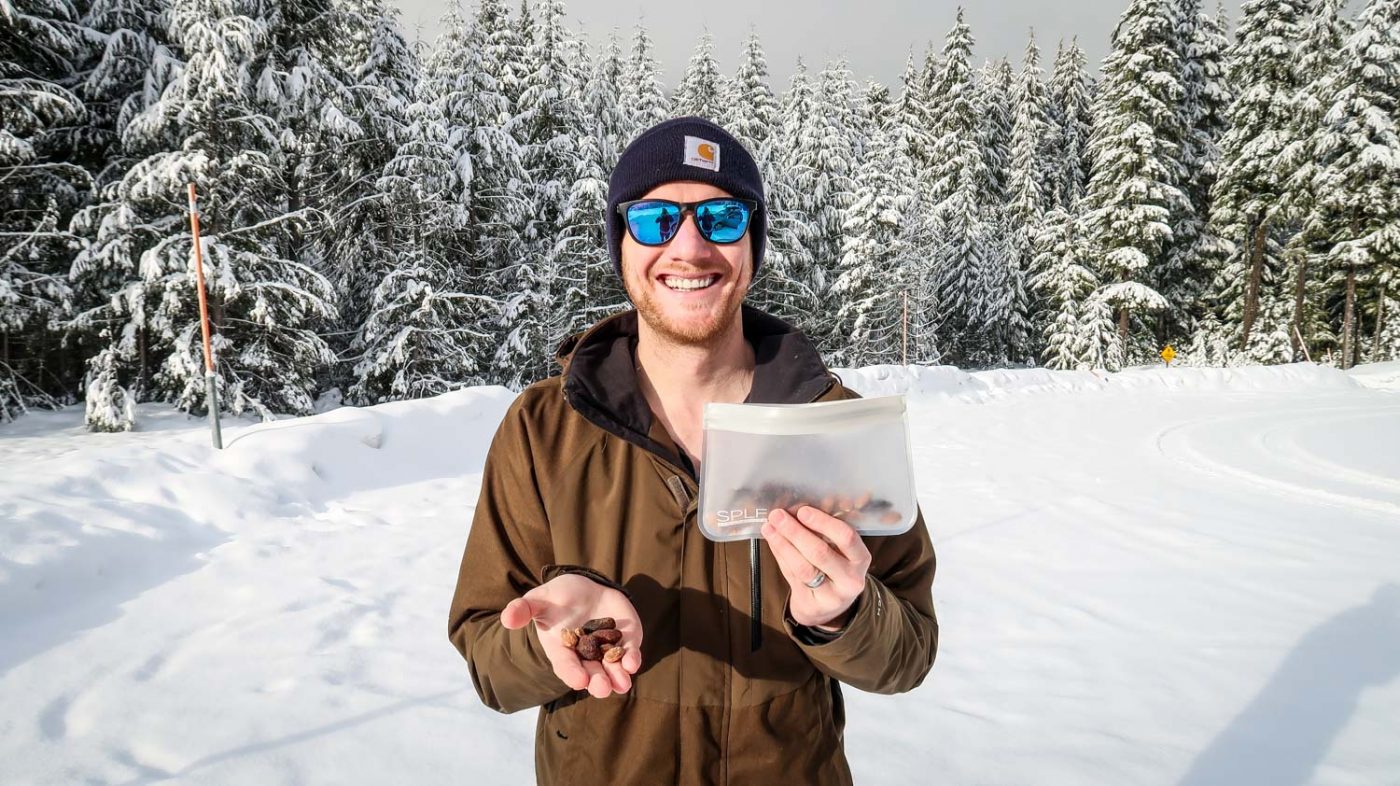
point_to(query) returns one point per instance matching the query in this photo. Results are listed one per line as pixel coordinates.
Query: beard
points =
(687, 330)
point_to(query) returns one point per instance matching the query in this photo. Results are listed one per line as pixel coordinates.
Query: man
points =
(733, 651)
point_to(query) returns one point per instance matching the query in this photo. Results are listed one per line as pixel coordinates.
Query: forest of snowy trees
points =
(389, 222)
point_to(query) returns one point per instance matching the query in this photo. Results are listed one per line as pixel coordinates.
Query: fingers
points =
(599, 684)
(795, 567)
(568, 667)
(517, 613)
(837, 532)
(621, 680)
(811, 546)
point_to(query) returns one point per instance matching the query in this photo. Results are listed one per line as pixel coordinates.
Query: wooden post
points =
(1302, 343)
(212, 399)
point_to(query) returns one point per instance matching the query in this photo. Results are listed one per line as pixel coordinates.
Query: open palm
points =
(568, 601)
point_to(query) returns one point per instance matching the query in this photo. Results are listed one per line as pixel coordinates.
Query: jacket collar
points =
(599, 374)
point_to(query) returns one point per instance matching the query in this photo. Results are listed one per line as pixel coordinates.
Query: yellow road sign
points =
(1168, 354)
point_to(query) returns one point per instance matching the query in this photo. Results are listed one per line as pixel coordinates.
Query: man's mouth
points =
(689, 283)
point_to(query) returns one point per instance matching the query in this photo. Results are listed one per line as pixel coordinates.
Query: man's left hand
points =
(813, 541)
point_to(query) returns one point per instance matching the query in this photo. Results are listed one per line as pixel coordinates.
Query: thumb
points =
(517, 614)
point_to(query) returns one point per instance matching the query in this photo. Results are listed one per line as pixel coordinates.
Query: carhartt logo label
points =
(702, 153)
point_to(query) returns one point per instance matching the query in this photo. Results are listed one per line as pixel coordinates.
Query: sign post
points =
(212, 398)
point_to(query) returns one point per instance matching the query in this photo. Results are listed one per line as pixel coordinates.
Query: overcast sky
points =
(874, 35)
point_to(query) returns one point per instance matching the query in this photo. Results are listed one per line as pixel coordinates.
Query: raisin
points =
(608, 635)
(602, 623)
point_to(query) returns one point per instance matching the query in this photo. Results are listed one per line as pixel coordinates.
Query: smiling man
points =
(733, 653)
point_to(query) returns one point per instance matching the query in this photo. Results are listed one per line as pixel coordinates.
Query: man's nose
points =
(688, 242)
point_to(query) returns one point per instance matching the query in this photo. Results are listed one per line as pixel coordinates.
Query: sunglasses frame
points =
(688, 208)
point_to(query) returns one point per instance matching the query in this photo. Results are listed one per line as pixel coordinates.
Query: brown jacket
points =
(581, 477)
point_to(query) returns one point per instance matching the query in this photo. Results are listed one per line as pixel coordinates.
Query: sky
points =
(876, 36)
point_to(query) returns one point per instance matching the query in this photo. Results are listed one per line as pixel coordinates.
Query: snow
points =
(1160, 576)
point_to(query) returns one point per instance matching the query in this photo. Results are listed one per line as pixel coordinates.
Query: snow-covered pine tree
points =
(544, 298)
(786, 285)
(753, 111)
(602, 106)
(1358, 173)
(703, 91)
(1076, 329)
(581, 243)
(426, 332)
(967, 266)
(360, 246)
(910, 129)
(1133, 193)
(1185, 272)
(1072, 121)
(872, 278)
(643, 96)
(1029, 196)
(995, 111)
(250, 93)
(40, 46)
(1325, 36)
(1247, 200)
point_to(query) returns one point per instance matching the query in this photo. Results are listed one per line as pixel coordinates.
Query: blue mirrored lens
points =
(653, 223)
(723, 220)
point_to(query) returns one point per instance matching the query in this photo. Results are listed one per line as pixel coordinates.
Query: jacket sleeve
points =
(507, 552)
(889, 643)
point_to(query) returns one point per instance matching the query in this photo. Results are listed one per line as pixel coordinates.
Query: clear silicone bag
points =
(850, 458)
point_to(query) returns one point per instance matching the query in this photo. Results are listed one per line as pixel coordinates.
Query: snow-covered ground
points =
(1184, 576)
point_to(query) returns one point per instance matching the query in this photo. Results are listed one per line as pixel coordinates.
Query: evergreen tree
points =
(1072, 125)
(545, 297)
(787, 285)
(872, 280)
(967, 266)
(1133, 193)
(1183, 277)
(1247, 200)
(360, 243)
(1078, 328)
(996, 113)
(643, 97)
(1029, 196)
(40, 47)
(703, 91)
(426, 332)
(1324, 39)
(1358, 174)
(753, 112)
(603, 109)
(249, 119)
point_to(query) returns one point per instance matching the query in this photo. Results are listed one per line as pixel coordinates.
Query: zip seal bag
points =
(849, 458)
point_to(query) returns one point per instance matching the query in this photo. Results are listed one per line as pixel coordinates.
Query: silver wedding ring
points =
(817, 580)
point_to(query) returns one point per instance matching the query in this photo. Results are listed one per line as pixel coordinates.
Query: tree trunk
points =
(1256, 279)
(1380, 322)
(1298, 286)
(1349, 318)
(1123, 331)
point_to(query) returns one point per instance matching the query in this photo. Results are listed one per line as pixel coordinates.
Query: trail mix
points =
(596, 640)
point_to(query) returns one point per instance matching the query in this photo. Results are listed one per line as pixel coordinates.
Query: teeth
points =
(688, 284)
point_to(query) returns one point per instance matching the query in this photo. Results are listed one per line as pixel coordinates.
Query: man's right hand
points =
(568, 601)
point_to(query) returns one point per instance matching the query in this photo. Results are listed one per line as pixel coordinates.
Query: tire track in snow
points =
(1182, 444)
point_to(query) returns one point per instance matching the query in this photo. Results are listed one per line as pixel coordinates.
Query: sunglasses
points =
(653, 222)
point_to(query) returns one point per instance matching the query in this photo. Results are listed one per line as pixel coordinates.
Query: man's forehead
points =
(685, 191)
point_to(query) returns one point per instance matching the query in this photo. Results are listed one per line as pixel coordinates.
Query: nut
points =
(608, 636)
(569, 637)
(613, 654)
(602, 623)
(589, 648)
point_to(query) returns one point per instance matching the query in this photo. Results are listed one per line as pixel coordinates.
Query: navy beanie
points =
(685, 148)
